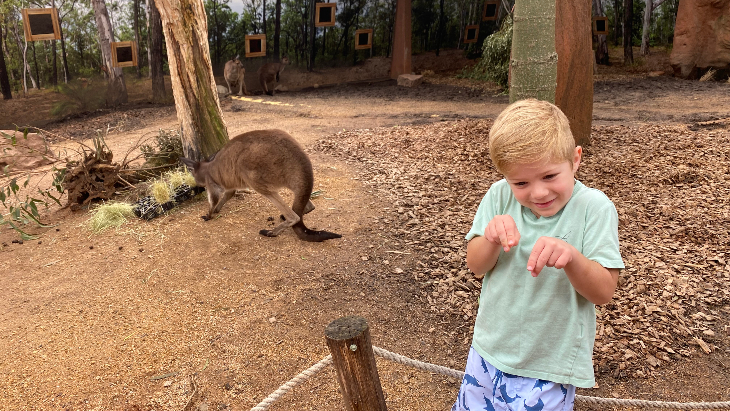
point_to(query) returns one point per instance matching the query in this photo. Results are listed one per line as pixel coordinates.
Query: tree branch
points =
(657, 4)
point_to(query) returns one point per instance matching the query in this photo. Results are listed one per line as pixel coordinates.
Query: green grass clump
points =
(110, 215)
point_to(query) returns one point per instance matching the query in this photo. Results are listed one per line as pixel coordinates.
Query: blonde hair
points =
(530, 131)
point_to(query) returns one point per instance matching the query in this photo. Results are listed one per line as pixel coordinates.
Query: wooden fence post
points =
(348, 339)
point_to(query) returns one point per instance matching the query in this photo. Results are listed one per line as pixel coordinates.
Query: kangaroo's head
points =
(198, 169)
(284, 60)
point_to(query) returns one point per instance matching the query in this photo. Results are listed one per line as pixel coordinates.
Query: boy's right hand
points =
(502, 230)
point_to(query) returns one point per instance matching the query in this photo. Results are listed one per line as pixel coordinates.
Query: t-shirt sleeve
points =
(485, 214)
(600, 238)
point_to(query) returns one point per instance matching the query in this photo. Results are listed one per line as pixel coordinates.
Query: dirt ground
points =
(179, 313)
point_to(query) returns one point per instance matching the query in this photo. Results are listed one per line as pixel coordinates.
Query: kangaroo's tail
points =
(311, 235)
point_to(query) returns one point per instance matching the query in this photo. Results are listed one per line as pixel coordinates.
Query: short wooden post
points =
(348, 339)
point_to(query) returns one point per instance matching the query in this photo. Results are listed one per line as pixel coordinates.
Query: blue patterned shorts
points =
(487, 388)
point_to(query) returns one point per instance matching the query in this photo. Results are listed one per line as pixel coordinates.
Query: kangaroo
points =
(265, 161)
(270, 72)
(233, 73)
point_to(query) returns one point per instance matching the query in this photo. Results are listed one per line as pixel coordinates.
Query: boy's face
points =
(544, 187)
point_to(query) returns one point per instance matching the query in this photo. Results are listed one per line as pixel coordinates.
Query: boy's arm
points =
(592, 280)
(481, 255)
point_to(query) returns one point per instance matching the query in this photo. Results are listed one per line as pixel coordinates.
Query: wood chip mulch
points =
(671, 189)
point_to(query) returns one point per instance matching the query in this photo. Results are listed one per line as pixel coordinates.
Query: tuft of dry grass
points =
(110, 215)
(709, 75)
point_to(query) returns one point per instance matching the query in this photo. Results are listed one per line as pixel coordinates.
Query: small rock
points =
(167, 383)
(272, 320)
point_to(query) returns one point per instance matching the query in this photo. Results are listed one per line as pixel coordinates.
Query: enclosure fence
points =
(391, 356)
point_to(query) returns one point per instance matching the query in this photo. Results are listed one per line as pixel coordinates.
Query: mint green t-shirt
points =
(541, 327)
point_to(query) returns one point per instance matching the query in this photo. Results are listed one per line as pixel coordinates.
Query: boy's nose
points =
(539, 192)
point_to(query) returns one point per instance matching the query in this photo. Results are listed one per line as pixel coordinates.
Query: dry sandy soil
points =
(179, 313)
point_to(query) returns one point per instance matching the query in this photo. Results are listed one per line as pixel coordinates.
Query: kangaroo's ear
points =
(190, 164)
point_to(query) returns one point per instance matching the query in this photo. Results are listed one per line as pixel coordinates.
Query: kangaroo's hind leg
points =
(307, 209)
(290, 217)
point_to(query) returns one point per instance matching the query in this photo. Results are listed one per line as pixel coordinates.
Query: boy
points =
(548, 247)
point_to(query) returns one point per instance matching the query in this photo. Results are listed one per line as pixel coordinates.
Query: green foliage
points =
(22, 200)
(167, 149)
(80, 96)
(494, 65)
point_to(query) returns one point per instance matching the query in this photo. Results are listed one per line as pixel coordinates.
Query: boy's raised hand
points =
(551, 252)
(502, 230)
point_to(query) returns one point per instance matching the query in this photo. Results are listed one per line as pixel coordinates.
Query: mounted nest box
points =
(124, 54)
(41, 24)
(325, 15)
(490, 10)
(471, 33)
(600, 25)
(255, 45)
(363, 39)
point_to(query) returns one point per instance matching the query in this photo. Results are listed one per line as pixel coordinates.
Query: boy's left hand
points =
(551, 252)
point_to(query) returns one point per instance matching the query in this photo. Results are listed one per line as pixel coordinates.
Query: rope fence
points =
(391, 356)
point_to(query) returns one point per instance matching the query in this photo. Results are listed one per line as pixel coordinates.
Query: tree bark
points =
(54, 67)
(64, 59)
(616, 21)
(600, 39)
(193, 85)
(155, 38)
(534, 61)
(23, 47)
(649, 7)
(135, 4)
(440, 29)
(312, 35)
(116, 88)
(628, 32)
(4, 81)
(277, 30)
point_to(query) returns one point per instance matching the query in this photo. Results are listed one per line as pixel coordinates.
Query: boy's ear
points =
(577, 154)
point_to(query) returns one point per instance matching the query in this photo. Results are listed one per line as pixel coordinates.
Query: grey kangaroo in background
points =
(270, 72)
(265, 161)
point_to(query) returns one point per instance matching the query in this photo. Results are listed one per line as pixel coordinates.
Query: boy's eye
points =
(521, 184)
(549, 176)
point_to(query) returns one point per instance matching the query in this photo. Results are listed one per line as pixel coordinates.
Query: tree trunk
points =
(440, 30)
(277, 30)
(4, 81)
(193, 85)
(628, 32)
(64, 59)
(54, 59)
(312, 35)
(646, 27)
(116, 88)
(35, 63)
(154, 37)
(534, 61)
(616, 21)
(135, 4)
(600, 39)
(23, 47)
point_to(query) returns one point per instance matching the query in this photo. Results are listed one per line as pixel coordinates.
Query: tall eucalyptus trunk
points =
(534, 61)
(191, 73)
(4, 81)
(628, 32)
(600, 39)
(154, 48)
(116, 87)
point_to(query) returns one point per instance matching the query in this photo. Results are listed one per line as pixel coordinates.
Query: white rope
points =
(380, 352)
(303, 376)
